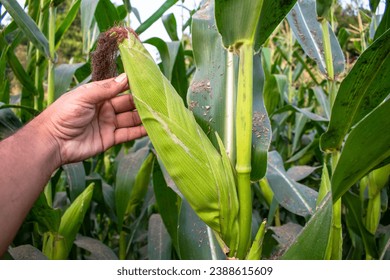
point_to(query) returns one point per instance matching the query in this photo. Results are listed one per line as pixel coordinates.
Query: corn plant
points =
(263, 143)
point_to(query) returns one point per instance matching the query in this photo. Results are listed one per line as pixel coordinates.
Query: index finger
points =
(99, 91)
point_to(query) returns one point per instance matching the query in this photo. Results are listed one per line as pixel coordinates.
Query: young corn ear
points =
(203, 175)
(58, 245)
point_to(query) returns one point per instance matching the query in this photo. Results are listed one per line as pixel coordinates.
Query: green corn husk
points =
(204, 176)
(58, 245)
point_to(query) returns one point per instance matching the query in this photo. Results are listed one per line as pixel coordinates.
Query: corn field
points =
(268, 130)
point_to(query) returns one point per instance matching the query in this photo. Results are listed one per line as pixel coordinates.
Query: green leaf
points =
(384, 25)
(67, 22)
(128, 168)
(272, 14)
(71, 222)
(323, 101)
(47, 218)
(313, 240)
(261, 127)
(26, 252)
(308, 32)
(27, 25)
(374, 4)
(21, 74)
(127, 6)
(167, 62)
(323, 8)
(179, 78)
(237, 21)
(155, 16)
(365, 87)
(168, 203)
(170, 25)
(354, 220)
(257, 245)
(9, 122)
(295, 197)
(87, 10)
(97, 249)
(75, 174)
(106, 15)
(196, 240)
(159, 242)
(366, 147)
(300, 172)
(140, 187)
(64, 75)
(211, 94)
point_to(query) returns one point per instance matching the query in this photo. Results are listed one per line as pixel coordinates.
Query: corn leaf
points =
(71, 222)
(211, 93)
(257, 246)
(26, 252)
(141, 183)
(75, 174)
(87, 10)
(64, 74)
(168, 203)
(245, 14)
(385, 22)
(295, 197)
(188, 155)
(354, 221)
(155, 16)
(67, 22)
(359, 155)
(365, 87)
(28, 26)
(308, 31)
(196, 241)
(128, 167)
(159, 242)
(312, 242)
(272, 14)
(323, 8)
(98, 250)
(249, 20)
(261, 126)
(47, 218)
(21, 75)
(170, 25)
(106, 15)
(374, 4)
(9, 122)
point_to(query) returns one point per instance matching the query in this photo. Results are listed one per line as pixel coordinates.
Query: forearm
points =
(27, 160)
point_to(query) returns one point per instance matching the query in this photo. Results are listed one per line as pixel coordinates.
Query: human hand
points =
(91, 119)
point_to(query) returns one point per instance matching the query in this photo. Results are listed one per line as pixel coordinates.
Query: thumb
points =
(99, 91)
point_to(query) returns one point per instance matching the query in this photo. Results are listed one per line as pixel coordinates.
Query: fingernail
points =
(120, 78)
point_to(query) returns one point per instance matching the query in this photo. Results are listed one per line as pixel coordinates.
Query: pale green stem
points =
(38, 98)
(122, 245)
(327, 49)
(337, 239)
(51, 39)
(244, 146)
(229, 105)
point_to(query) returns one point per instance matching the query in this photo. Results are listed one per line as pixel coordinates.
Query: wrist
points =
(45, 141)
